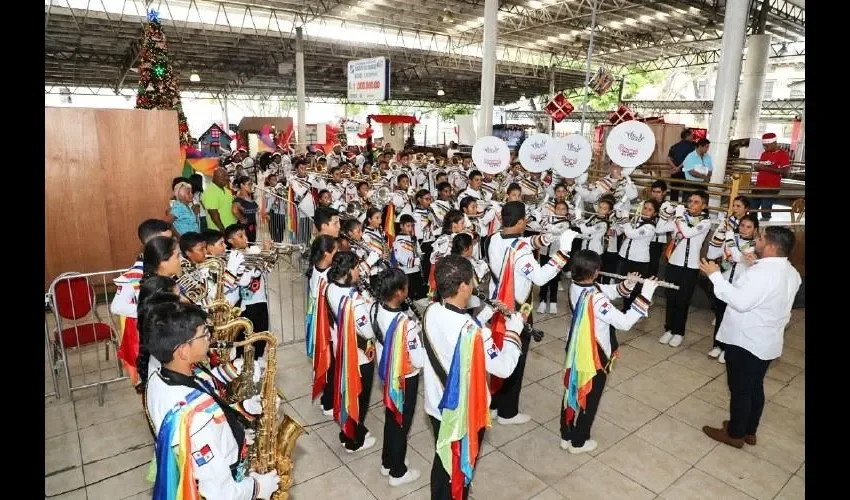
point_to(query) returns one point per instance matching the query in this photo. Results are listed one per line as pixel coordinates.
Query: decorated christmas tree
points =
(157, 83)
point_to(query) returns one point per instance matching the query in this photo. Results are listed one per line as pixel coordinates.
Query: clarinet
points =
(502, 308)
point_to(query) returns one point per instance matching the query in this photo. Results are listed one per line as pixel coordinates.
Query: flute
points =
(662, 284)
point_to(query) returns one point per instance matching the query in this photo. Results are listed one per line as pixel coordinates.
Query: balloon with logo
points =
(491, 155)
(571, 155)
(630, 144)
(535, 154)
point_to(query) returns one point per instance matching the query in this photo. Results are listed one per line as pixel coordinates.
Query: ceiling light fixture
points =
(194, 77)
(441, 92)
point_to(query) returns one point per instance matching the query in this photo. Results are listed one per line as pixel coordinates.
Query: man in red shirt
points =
(774, 164)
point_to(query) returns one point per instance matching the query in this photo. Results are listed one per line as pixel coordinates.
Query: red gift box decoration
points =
(559, 108)
(623, 114)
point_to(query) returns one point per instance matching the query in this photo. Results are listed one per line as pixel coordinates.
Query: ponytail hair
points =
(341, 266)
(157, 250)
(460, 243)
(388, 282)
(451, 217)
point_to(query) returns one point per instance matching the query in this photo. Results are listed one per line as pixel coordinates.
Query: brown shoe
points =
(723, 436)
(750, 439)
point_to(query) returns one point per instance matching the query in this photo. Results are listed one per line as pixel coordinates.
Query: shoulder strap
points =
(442, 376)
(375, 329)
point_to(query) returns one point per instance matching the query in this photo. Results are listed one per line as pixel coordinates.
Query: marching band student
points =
(736, 244)
(353, 338)
(462, 245)
(401, 356)
(200, 444)
(374, 235)
(453, 223)
(426, 223)
(634, 251)
(327, 221)
(216, 247)
(443, 204)
(193, 250)
(318, 341)
(460, 354)
(615, 184)
(154, 290)
(549, 291)
(514, 271)
(127, 285)
(657, 192)
(161, 256)
(599, 235)
(244, 207)
(400, 199)
(300, 192)
(474, 189)
(325, 200)
(740, 208)
(406, 256)
(252, 291)
(592, 344)
(690, 227)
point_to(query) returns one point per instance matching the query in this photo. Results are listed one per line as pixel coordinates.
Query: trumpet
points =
(506, 312)
(289, 248)
(381, 196)
(375, 176)
(353, 210)
(662, 284)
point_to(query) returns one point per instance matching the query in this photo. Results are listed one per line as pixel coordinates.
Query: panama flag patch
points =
(203, 456)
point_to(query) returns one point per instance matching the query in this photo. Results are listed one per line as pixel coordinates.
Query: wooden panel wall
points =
(106, 170)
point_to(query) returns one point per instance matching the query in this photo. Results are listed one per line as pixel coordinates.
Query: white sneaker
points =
(553, 308)
(386, 472)
(665, 339)
(328, 413)
(676, 341)
(714, 352)
(410, 476)
(565, 445)
(713, 321)
(541, 309)
(519, 418)
(722, 358)
(367, 443)
(589, 445)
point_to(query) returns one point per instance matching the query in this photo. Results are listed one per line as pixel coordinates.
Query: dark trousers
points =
(506, 399)
(395, 436)
(719, 311)
(327, 399)
(610, 261)
(203, 223)
(745, 376)
(678, 301)
(674, 193)
(579, 432)
(655, 251)
(425, 262)
(549, 291)
(258, 314)
(367, 375)
(441, 481)
(763, 202)
(630, 266)
(277, 226)
(416, 286)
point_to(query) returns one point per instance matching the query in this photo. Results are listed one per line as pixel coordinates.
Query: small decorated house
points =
(215, 140)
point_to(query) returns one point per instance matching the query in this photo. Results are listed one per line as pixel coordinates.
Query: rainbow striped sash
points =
(394, 365)
(582, 362)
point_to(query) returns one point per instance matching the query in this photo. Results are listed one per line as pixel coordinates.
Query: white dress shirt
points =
(759, 306)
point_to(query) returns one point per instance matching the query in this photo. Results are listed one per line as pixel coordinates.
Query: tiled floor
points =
(648, 429)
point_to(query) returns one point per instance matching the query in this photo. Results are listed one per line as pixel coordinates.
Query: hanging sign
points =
(369, 80)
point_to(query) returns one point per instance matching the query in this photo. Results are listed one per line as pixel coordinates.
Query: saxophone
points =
(242, 387)
(274, 443)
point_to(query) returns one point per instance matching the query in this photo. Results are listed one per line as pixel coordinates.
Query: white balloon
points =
(535, 154)
(491, 155)
(630, 144)
(571, 155)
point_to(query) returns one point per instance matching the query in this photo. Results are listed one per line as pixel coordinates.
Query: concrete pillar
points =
(300, 92)
(726, 87)
(584, 105)
(752, 87)
(488, 68)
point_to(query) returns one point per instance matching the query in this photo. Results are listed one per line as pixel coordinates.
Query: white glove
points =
(649, 287)
(254, 406)
(247, 163)
(485, 314)
(680, 211)
(515, 323)
(250, 436)
(632, 280)
(481, 269)
(372, 258)
(268, 482)
(567, 240)
(416, 262)
(234, 263)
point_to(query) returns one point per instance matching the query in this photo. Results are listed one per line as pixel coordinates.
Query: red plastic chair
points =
(73, 300)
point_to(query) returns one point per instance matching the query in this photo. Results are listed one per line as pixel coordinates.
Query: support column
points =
(488, 68)
(300, 92)
(226, 115)
(726, 87)
(800, 152)
(752, 87)
(551, 96)
(584, 103)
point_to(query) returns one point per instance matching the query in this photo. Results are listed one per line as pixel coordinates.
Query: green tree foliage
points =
(450, 110)
(634, 84)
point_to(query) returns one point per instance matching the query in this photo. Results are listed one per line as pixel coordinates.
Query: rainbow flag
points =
(389, 223)
(394, 365)
(196, 161)
(505, 295)
(347, 377)
(465, 410)
(175, 475)
(582, 362)
(319, 338)
(265, 141)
